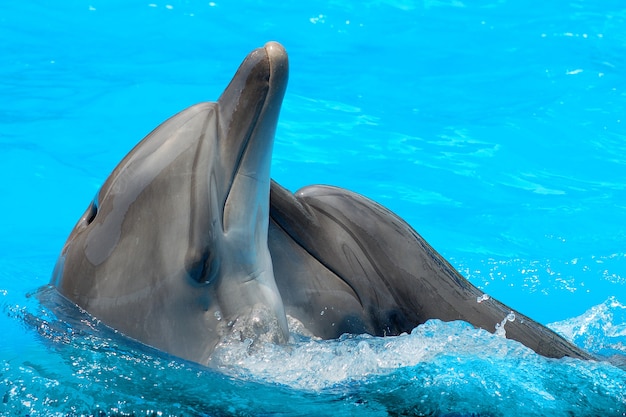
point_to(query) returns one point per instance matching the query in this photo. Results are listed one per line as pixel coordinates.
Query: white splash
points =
(500, 331)
(313, 364)
(601, 329)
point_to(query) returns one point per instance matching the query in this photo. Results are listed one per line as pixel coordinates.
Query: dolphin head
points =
(173, 249)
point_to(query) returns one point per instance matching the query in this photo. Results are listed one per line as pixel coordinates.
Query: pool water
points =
(496, 129)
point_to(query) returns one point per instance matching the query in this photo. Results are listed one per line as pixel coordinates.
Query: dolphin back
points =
(363, 269)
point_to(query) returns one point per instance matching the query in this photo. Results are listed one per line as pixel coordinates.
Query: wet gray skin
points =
(345, 264)
(173, 251)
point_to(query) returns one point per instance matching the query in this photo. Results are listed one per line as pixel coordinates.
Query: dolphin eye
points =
(202, 268)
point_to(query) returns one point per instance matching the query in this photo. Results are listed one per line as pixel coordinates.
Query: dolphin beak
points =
(248, 115)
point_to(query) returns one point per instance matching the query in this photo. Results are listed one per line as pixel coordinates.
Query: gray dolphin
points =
(175, 249)
(345, 264)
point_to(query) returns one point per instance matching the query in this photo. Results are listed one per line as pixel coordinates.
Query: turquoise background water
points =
(496, 129)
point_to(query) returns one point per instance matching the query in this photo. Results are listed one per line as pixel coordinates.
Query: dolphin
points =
(173, 249)
(345, 264)
(189, 243)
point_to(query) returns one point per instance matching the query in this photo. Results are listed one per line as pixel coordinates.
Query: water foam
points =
(437, 369)
(313, 364)
(601, 329)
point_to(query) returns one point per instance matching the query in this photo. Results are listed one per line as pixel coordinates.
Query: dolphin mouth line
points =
(242, 152)
(246, 142)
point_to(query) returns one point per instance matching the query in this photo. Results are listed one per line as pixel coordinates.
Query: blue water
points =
(495, 128)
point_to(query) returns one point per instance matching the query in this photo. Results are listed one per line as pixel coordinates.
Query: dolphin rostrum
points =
(174, 251)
